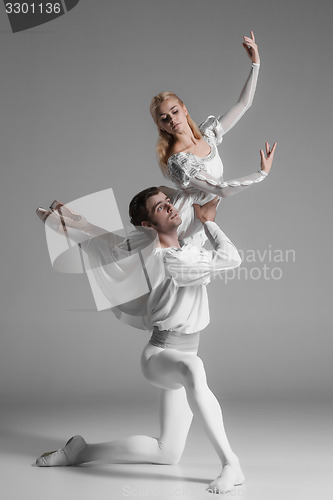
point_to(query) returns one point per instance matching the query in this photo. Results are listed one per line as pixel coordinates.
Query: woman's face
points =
(171, 116)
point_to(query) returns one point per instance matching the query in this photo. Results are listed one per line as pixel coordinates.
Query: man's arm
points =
(194, 266)
(225, 254)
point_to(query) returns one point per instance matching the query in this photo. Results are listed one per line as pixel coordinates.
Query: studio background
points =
(75, 119)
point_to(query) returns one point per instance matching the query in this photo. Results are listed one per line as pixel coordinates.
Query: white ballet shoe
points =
(231, 476)
(65, 456)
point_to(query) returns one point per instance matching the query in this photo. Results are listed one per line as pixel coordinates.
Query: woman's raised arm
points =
(231, 117)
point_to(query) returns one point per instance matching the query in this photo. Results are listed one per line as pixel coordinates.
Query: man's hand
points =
(206, 212)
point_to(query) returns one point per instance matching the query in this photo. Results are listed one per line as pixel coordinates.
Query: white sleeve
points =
(197, 266)
(224, 254)
(231, 117)
(207, 183)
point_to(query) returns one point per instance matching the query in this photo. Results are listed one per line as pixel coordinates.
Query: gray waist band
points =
(175, 340)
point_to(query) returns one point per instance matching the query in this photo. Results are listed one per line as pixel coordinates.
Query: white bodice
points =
(183, 166)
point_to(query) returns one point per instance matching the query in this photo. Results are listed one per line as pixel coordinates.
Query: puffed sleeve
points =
(182, 169)
(212, 128)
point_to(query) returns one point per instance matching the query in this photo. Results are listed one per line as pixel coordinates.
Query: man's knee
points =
(170, 454)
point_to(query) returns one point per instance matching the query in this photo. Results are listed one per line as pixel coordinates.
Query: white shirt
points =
(180, 301)
(155, 286)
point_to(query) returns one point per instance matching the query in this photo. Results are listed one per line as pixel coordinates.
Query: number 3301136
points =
(32, 8)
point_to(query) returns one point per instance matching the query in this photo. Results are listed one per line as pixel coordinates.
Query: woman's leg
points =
(175, 421)
(171, 368)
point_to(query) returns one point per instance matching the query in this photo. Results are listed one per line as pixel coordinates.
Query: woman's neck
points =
(184, 139)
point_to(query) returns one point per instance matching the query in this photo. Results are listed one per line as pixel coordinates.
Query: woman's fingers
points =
(273, 148)
(250, 41)
(269, 152)
(251, 48)
(247, 49)
(251, 38)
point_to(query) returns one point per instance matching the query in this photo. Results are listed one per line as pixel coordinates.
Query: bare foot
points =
(231, 476)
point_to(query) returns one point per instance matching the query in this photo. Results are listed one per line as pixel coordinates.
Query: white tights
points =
(184, 391)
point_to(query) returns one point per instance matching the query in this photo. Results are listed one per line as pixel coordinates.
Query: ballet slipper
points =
(55, 205)
(61, 217)
(65, 456)
(42, 214)
(231, 476)
(52, 220)
(65, 211)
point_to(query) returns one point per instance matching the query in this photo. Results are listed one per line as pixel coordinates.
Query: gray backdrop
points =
(74, 120)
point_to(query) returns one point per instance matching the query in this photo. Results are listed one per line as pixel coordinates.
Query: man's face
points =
(162, 214)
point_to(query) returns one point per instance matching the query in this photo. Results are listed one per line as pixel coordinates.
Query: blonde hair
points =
(166, 140)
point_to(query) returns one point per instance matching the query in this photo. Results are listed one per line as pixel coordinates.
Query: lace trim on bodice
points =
(183, 166)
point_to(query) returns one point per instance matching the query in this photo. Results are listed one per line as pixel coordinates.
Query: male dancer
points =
(177, 311)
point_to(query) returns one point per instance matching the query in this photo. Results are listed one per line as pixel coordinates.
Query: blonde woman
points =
(188, 154)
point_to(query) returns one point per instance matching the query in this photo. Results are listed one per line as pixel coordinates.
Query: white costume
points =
(179, 302)
(175, 298)
(201, 178)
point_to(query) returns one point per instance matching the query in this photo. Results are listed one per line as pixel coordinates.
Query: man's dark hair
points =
(137, 209)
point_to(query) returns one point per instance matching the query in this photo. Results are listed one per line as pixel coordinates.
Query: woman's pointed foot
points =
(42, 214)
(55, 205)
(65, 211)
(68, 455)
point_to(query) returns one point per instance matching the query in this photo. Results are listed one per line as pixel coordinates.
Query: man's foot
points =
(67, 455)
(231, 476)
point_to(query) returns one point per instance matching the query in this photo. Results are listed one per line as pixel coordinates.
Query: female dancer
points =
(188, 154)
(178, 310)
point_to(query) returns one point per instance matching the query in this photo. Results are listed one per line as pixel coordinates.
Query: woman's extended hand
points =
(251, 48)
(266, 163)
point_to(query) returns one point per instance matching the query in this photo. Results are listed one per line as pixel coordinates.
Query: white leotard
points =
(185, 169)
(201, 178)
